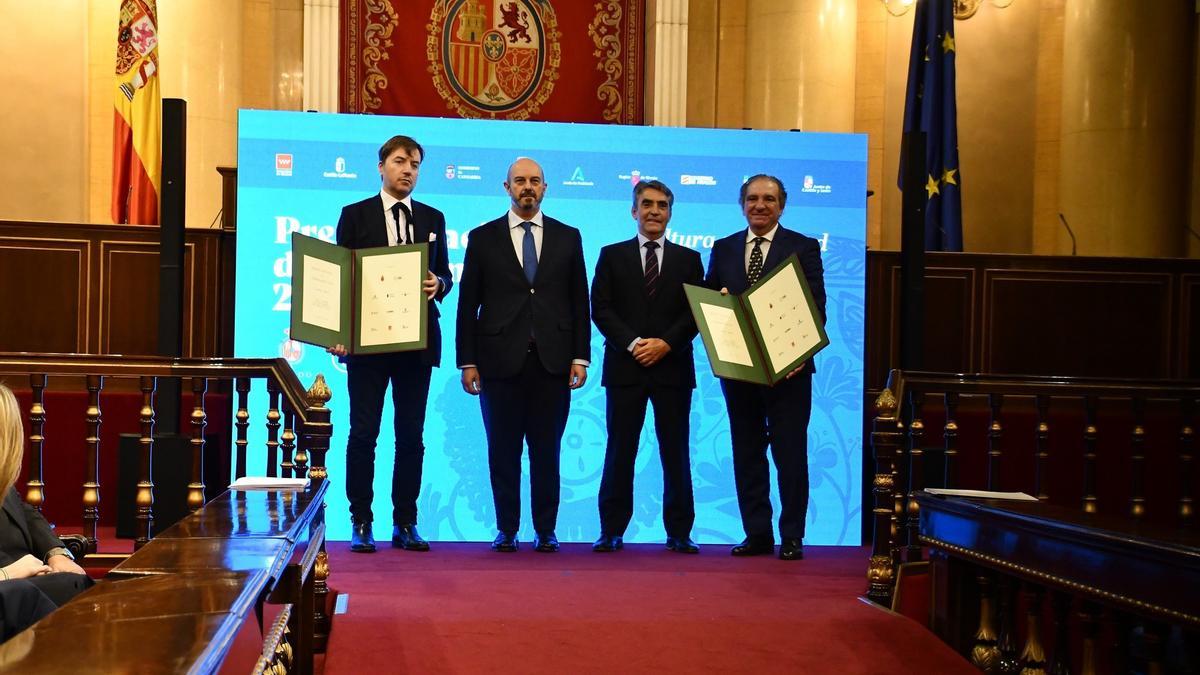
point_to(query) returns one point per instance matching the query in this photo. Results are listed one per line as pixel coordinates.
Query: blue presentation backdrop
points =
(297, 170)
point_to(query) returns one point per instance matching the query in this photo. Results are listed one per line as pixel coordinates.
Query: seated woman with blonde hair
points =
(28, 548)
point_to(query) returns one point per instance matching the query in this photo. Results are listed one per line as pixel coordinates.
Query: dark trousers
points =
(367, 381)
(777, 416)
(626, 415)
(60, 587)
(21, 605)
(530, 407)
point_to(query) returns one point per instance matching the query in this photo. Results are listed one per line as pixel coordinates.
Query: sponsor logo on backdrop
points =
(494, 58)
(578, 179)
(463, 172)
(339, 170)
(812, 187)
(636, 176)
(283, 164)
(689, 179)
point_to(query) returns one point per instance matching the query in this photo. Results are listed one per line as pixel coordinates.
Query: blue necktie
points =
(529, 252)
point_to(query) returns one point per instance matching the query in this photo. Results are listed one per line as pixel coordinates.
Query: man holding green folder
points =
(390, 218)
(761, 415)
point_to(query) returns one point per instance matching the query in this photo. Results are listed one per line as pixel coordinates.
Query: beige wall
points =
(43, 135)
(218, 55)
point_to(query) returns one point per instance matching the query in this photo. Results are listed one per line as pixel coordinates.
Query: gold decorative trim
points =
(1051, 579)
(381, 20)
(885, 403)
(605, 33)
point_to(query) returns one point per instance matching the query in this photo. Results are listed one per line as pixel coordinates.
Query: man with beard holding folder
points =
(524, 342)
(390, 218)
(640, 307)
(760, 415)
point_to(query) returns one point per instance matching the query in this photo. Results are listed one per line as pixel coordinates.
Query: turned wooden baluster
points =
(273, 429)
(91, 483)
(995, 435)
(884, 436)
(314, 436)
(195, 497)
(1187, 440)
(950, 434)
(300, 461)
(1090, 434)
(1089, 619)
(242, 386)
(1137, 459)
(35, 489)
(1060, 661)
(1154, 637)
(1042, 445)
(1119, 654)
(287, 440)
(916, 475)
(145, 486)
(985, 654)
(1033, 656)
(1010, 660)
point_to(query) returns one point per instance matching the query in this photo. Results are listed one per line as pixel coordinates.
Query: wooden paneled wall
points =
(1041, 315)
(93, 289)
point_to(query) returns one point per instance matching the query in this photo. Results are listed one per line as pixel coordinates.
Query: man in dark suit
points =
(524, 342)
(640, 307)
(761, 415)
(389, 218)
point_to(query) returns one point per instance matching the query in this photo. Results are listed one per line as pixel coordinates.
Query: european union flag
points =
(930, 107)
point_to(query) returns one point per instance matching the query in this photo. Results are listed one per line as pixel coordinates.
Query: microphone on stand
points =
(1064, 222)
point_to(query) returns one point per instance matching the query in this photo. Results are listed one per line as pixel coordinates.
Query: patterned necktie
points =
(529, 252)
(401, 229)
(756, 261)
(651, 268)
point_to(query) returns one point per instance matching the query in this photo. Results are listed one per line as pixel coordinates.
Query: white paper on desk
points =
(268, 483)
(785, 319)
(322, 305)
(391, 299)
(726, 334)
(982, 494)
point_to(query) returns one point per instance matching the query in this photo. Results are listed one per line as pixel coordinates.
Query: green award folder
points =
(369, 299)
(763, 334)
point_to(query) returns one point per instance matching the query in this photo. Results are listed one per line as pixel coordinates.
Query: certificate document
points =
(763, 334)
(369, 300)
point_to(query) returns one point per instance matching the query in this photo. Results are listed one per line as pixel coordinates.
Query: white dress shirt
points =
(518, 234)
(766, 245)
(658, 253)
(394, 228)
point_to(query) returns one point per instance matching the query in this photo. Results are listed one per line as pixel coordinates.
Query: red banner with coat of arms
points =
(557, 60)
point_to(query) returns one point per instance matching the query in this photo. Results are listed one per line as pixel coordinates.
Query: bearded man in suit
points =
(523, 343)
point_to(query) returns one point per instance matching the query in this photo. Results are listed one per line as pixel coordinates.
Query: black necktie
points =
(401, 229)
(756, 261)
(651, 268)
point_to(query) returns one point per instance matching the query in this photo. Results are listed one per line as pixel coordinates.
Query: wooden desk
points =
(176, 604)
(1146, 571)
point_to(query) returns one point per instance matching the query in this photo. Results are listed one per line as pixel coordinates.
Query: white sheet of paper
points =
(785, 321)
(391, 299)
(983, 494)
(726, 335)
(322, 304)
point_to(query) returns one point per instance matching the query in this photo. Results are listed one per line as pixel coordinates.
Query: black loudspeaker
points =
(171, 471)
(170, 273)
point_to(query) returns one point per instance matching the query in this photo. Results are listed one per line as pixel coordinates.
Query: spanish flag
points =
(137, 135)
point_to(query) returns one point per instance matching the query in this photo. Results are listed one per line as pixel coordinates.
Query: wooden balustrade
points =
(898, 439)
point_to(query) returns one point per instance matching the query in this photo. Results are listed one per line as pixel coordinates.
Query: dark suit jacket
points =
(362, 225)
(33, 528)
(622, 312)
(727, 265)
(499, 310)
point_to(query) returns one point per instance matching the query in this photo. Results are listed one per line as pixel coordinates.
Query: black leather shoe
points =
(607, 543)
(406, 537)
(791, 549)
(545, 542)
(505, 542)
(361, 539)
(682, 545)
(754, 546)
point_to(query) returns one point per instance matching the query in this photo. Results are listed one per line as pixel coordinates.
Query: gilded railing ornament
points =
(319, 394)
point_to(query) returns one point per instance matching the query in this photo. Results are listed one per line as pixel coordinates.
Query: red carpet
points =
(464, 609)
